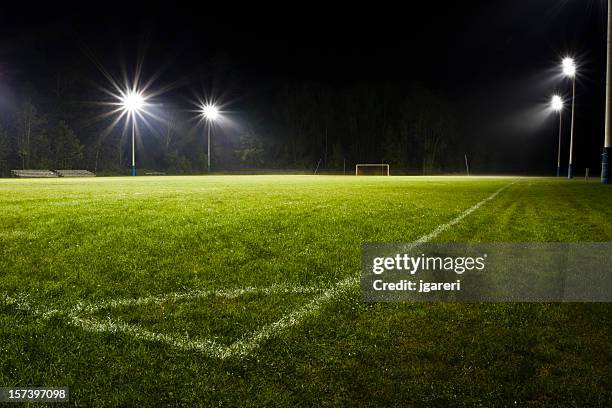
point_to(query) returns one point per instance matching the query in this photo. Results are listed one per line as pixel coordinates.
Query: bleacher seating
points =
(33, 173)
(74, 173)
(28, 173)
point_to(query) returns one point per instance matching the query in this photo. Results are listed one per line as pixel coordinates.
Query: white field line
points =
(246, 347)
(240, 348)
(441, 228)
(21, 303)
(209, 347)
(195, 294)
(243, 348)
(77, 316)
(205, 346)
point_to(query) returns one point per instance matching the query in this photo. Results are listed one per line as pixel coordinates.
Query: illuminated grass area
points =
(175, 249)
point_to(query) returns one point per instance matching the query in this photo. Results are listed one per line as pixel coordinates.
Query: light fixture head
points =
(556, 103)
(133, 101)
(569, 67)
(210, 112)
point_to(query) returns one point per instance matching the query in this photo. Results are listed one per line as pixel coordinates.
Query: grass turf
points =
(67, 241)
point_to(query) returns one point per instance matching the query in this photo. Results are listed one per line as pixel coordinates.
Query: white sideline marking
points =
(456, 220)
(243, 347)
(240, 348)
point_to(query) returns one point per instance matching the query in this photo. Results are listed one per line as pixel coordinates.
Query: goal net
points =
(371, 169)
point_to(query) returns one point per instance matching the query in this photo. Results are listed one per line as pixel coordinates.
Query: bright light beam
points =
(210, 113)
(132, 103)
(129, 98)
(569, 67)
(556, 103)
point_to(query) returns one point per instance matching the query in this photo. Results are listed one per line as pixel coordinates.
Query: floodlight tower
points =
(569, 70)
(211, 113)
(133, 102)
(557, 106)
(607, 149)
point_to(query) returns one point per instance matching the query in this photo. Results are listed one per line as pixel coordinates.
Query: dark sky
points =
(496, 60)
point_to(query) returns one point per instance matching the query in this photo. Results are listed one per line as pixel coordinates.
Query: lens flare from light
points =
(210, 112)
(556, 103)
(569, 67)
(133, 101)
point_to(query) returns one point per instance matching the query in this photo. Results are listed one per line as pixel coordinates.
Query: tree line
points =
(298, 126)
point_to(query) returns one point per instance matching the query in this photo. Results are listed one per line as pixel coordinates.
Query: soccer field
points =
(243, 290)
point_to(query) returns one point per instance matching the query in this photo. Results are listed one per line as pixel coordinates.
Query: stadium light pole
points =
(569, 70)
(210, 113)
(557, 106)
(133, 102)
(607, 149)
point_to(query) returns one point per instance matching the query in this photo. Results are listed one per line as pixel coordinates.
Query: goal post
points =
(372, 169)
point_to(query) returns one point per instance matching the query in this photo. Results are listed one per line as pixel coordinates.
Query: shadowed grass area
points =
(68, 241)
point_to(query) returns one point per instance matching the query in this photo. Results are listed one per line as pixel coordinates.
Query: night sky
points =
(496, 60)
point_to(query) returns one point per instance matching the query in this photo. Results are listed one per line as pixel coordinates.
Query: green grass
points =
(65, 242)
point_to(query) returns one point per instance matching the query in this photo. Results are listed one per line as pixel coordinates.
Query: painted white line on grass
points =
(195, 294)
(206, 346)
(243, 348)
(20, 303)
(441, 228)
(209, 347)
(246, 347)
(78, 315)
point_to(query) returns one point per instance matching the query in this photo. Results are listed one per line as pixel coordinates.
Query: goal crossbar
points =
(384, 168)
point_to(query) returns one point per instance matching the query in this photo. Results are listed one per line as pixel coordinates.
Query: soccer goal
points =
(371, 169)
